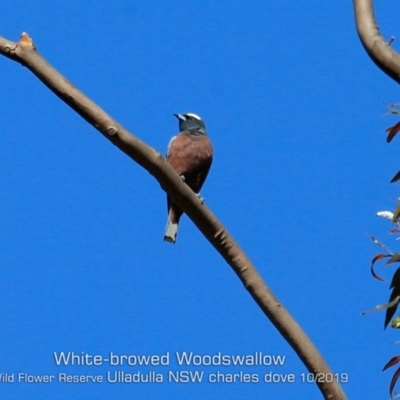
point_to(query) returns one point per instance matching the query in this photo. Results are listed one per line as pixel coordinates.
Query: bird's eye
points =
(188, 118)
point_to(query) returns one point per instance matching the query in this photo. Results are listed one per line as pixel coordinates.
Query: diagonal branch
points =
(25, 53)
(377, 48)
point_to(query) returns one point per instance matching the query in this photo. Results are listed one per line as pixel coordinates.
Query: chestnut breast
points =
(190, 154)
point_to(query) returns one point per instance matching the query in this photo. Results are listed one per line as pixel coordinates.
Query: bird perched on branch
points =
(190, 154)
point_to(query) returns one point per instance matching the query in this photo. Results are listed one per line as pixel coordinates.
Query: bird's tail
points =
(171, 230)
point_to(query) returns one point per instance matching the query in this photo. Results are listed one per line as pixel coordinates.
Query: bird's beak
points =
(180, 117)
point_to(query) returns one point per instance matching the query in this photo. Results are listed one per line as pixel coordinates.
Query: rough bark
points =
(25, 53)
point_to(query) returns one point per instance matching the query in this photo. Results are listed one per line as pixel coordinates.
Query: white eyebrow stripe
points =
(193, 115)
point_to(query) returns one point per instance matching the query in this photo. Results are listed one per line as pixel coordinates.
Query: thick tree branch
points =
(377, 48)
(25, 53)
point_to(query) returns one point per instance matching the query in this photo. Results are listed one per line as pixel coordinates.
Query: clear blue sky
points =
(294, 108)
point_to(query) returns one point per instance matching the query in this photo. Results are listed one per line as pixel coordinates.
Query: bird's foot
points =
(200, 198)
(182, 177)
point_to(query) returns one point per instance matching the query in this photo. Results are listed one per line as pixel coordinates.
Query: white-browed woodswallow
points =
(190, 153)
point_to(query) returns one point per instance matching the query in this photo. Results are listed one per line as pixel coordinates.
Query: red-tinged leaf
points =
(393, 361)
(378, 257)
(392, 131)
(393, 382)
(374, 260)
(395, 178)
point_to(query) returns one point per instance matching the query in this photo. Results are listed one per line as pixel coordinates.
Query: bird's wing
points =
(169, 146)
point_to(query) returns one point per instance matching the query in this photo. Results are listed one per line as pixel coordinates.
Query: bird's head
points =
(191, 122)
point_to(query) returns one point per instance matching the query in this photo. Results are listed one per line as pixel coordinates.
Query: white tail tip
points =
(170, 232)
